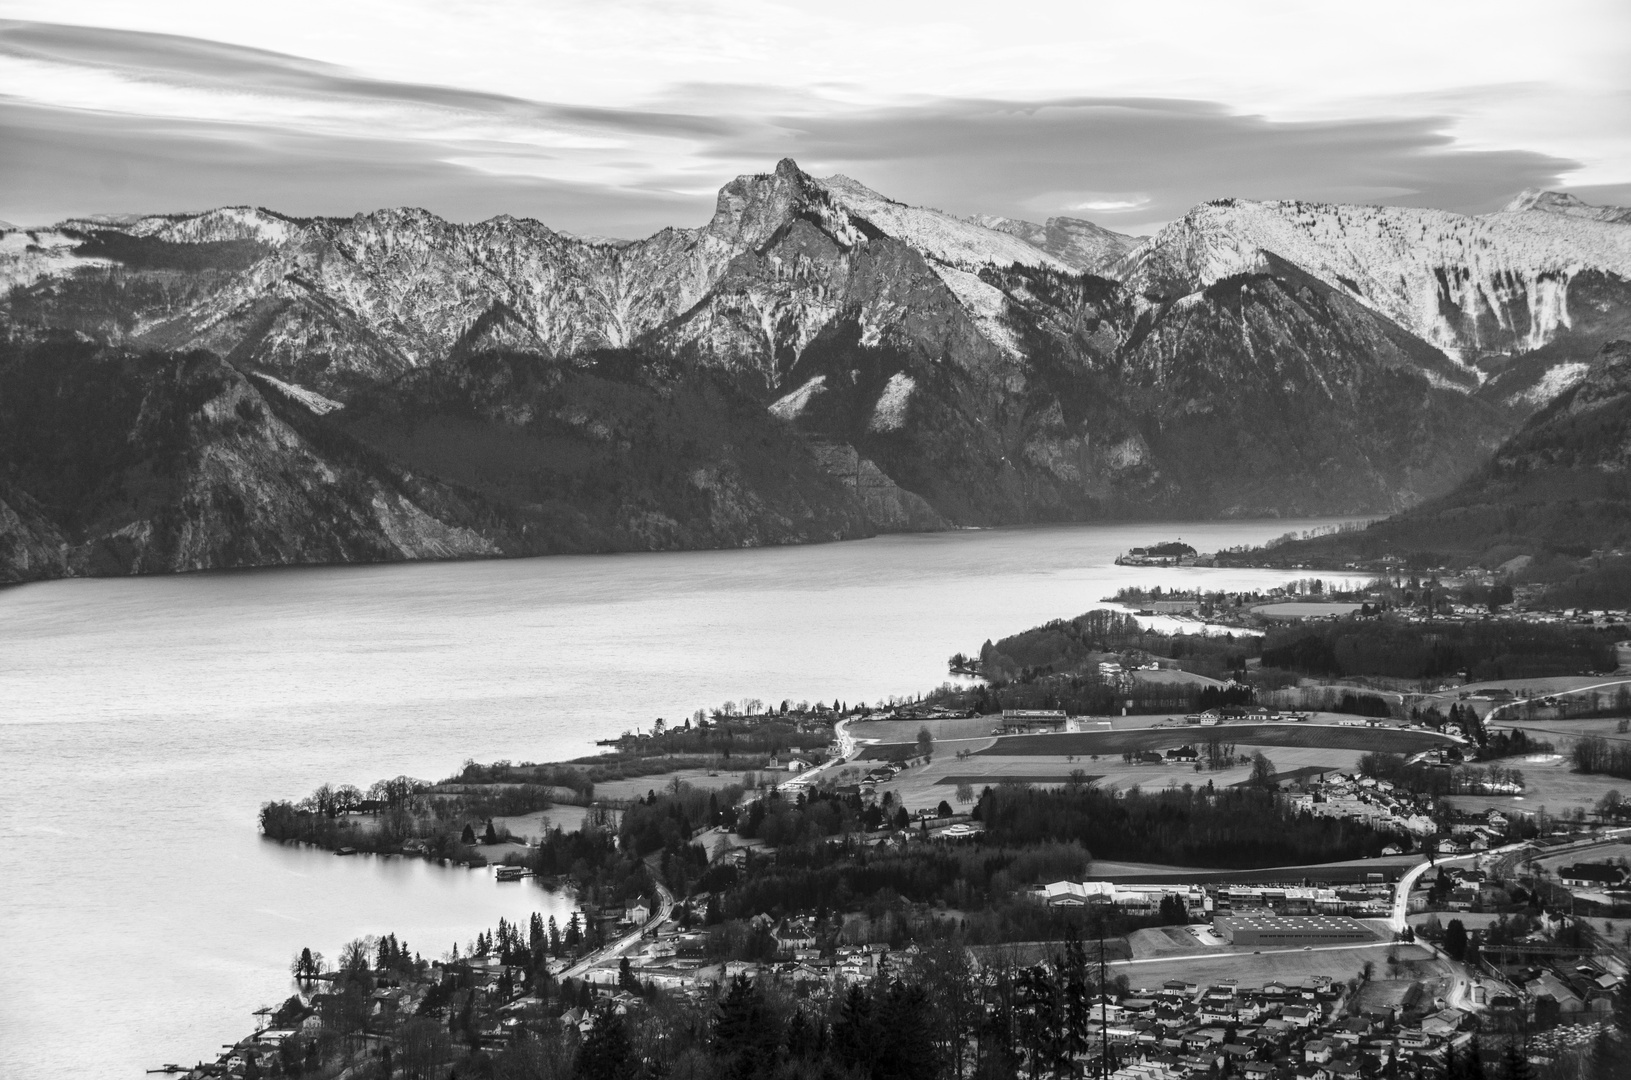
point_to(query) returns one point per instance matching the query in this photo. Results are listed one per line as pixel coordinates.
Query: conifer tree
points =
(1515, 1063)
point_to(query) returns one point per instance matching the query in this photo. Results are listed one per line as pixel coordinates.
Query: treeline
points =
(577, 781)
(1595, 754)
(839, 876)
(1067, 646)
(1233, 828)
(1089, 695)
(760, 734)
(1393, 647)
(442, 819)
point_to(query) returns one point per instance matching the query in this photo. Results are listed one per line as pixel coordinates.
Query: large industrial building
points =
(1291, 931)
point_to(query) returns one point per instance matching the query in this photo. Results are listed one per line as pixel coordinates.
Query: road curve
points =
(665, 908)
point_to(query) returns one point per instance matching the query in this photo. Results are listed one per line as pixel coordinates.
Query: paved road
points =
(847, 749)
(665, 908)
(1494, 713)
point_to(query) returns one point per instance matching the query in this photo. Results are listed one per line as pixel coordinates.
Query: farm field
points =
(1253, 970)
(1549, 782)
(534, 825)
(925, 785)
(1298, 755)
(1558, 731)
(977, 729)
(1174, 678)
(636, 787)
(1304, 609)
(1540, 687)
(1117, 742)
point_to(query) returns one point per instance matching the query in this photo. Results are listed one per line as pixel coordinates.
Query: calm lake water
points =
(144, 720)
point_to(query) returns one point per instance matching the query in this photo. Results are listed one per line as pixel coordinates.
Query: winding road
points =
(612, 951)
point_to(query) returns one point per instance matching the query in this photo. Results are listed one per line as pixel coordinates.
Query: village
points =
(1388, 973)
(1463, 909)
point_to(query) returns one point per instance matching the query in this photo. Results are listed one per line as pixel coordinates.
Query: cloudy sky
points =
(620, 116)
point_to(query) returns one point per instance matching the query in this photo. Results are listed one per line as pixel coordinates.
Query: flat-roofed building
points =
(1291, 931)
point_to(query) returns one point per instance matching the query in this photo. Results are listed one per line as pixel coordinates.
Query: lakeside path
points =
(622, 945)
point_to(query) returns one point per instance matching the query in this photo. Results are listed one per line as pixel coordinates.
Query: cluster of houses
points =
(679, 963)
(1292, 1029)
(1244, 714)
(1474, 832)
(1364, 798)
(1572, 989)
(1467, 888)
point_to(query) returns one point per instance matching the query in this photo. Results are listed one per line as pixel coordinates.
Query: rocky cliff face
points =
(816, 361)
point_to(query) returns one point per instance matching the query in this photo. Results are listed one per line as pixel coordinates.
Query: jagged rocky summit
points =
(241, 388)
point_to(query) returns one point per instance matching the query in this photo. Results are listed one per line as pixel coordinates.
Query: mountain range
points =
(243, 388)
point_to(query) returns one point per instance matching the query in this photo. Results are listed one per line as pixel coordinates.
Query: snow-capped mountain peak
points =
(1561, 202)
(954, 241)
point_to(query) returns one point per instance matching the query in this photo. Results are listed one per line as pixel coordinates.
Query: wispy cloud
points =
(97, 119)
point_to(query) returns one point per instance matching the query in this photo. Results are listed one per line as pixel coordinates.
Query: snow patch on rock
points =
(1557, 379)
(985, 304)
(791, 405)
(311, 399)
(25, 256)
(889, 414)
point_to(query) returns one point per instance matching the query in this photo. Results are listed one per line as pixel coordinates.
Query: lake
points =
(144, 720)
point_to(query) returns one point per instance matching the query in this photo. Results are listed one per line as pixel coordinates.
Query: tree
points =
(1515, 1063)
(356, 960)
(944, 809)
(854, 1032)
(468, 836)
(954, 999)
(1173, 911)
(746, 1033)
(307, 966)
(625, 977)
(1262, 771)
(925, 741)
(605, 1053)
(490, 836)
(965, 791)
(1604, 1063)
(1455, 940)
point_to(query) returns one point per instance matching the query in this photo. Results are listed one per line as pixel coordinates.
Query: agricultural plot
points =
(1548, 782)
(1254, 969)
(636, 787)
(1304, 609)
(1115, 743)
(923, 786)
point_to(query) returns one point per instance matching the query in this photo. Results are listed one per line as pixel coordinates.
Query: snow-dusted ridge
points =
(943, 237)
(1506, 275)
